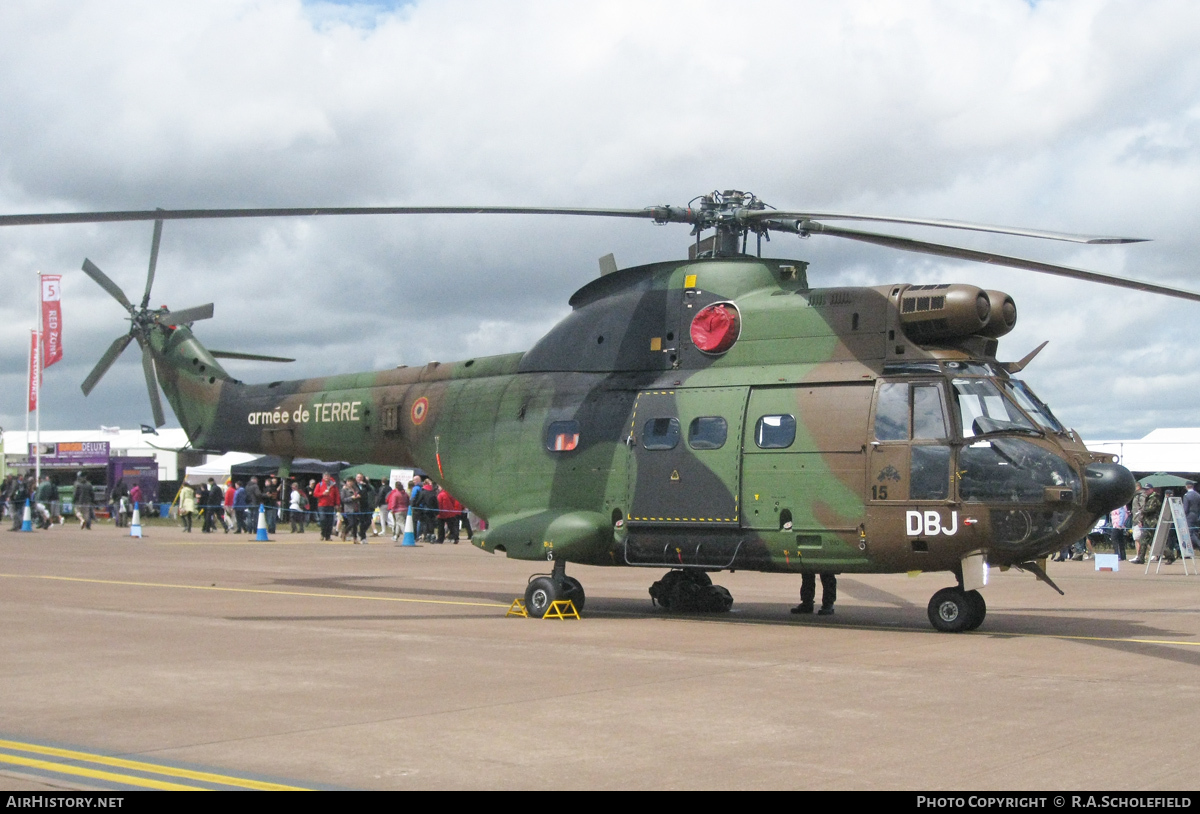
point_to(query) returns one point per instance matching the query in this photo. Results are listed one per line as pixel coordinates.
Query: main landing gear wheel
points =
(539, 594)
(953, 610)
(690, 590)
(545, 589)
(978, 609)
(573, 590)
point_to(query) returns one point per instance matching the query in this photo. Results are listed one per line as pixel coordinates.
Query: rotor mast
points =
(725, 212)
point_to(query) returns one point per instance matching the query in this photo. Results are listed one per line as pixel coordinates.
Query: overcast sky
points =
(1072, 116)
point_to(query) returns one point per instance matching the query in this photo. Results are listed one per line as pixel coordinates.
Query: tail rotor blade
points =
(153, 261)
(108, 285)
(106, 361)
(187, 315)
(152, 385)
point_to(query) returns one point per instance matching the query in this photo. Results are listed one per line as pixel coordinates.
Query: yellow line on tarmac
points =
(255, 591)
(136, 765)
(111, 777)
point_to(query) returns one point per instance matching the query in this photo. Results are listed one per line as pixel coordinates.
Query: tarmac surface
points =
(191, 659)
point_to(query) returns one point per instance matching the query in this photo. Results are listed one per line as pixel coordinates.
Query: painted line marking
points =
(254, 591)
(71, 757)
(135, 765)
(110, 777)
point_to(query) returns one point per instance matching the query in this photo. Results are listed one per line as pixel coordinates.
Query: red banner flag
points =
(51, 319)
(33, 370)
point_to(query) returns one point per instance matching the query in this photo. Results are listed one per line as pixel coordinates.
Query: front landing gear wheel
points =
(950, 611)
(978, 609)
(540, 592)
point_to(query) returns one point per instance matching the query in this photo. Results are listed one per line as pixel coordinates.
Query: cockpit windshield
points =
(984, 409)
(1032, 405)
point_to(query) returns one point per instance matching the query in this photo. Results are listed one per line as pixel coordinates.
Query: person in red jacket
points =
(397, 504)
(328, 497)
(449, 511)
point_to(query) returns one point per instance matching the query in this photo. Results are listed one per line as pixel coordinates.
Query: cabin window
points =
(707, 432)
(562, 436)
(660, 433)
(775, 431)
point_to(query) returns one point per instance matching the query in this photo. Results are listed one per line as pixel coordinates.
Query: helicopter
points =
(701, 415)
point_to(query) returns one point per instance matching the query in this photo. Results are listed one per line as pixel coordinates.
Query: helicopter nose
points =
(1108, 486)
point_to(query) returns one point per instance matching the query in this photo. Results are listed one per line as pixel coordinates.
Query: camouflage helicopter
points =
(700, 415)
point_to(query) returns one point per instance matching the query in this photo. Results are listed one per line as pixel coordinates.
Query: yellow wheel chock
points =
(517, 608)
(561, 609)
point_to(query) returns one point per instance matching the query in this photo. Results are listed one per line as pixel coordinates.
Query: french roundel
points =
(716, 327)
(420, 409)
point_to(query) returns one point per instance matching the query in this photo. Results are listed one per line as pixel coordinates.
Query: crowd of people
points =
(357, 508)
(1135, 525)
(352, 509)
(46, 501)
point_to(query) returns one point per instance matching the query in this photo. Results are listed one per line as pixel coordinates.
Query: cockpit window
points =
(929, 418)
(970, 368)
(983, 409)
(1011, 470)
(1031, 404)
(891, 412)
(926, 415)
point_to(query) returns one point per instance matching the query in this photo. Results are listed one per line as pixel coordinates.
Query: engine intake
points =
(1003, 316)
(945, 311)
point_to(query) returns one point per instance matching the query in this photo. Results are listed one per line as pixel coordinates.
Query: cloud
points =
(1078, 116)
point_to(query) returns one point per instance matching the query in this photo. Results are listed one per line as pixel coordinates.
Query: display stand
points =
(1172, 517)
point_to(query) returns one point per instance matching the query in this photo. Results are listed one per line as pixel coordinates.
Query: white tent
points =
(1168, 449)
(217, 467)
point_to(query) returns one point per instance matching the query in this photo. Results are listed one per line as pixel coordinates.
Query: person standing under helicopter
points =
(808, 593)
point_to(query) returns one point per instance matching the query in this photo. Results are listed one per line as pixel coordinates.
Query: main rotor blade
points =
(922, 247)
(294, 212)
(152, 385)
(186, 315)
(770, 214)
(106, 361)
(250, 357)
(108, 285)
(153, 261)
